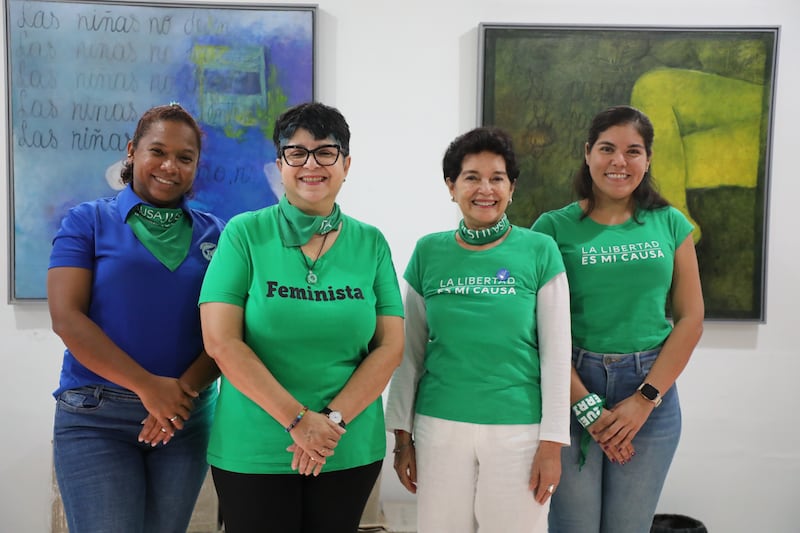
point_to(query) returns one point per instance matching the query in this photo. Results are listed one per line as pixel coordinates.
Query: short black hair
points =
(321, 120)
(483, 139)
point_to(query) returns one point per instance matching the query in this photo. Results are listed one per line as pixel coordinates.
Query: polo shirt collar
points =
(127, 200)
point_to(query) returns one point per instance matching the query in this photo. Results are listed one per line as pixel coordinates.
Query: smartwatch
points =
(650, 393)
(334, 416)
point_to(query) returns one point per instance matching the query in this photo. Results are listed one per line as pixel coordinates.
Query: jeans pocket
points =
(78, 400)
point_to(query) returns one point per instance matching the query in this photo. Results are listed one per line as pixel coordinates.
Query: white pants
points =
(474, 477)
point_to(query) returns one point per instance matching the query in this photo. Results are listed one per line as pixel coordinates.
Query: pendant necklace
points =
(311, 278)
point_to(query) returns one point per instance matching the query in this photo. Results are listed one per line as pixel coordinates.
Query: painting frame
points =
(80, 73)
(544, 82)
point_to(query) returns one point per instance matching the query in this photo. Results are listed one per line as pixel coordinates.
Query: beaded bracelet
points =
(297, 419)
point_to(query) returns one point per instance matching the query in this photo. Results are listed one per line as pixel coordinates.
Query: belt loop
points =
(579, 358)
(637, 358)
(98, 392)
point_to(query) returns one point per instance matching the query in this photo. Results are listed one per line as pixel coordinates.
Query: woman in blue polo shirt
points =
(137, 390)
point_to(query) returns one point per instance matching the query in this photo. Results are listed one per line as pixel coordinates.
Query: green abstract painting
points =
(710, 95)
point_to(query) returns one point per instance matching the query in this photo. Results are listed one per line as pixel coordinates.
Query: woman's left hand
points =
(632, 413)
(546, 470)
(152, 433)
(304, 463)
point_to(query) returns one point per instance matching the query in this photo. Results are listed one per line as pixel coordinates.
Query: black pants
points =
(332, 502)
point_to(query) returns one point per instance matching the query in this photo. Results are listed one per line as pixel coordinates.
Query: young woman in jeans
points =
(625, 251)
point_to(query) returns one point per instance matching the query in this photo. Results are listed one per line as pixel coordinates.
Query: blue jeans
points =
(110, 481)
(606, 497)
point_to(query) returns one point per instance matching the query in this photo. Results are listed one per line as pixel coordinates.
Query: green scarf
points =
(297, 228)
(478, 237)
(165, 232)
(587, 410)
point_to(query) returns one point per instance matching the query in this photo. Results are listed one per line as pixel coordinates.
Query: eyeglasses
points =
(325, 155)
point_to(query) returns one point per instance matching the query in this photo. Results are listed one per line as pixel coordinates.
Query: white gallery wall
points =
(404, 73)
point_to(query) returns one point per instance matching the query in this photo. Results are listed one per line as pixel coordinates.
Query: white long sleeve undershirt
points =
(554, 334)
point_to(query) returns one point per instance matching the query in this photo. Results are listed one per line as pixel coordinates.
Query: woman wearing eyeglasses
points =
(301, 310)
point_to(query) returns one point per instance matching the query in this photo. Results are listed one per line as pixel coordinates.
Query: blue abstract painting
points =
(80, 74)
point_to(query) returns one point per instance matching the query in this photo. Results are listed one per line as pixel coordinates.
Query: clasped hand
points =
(169, 402)
(315, 437)
(615, 429)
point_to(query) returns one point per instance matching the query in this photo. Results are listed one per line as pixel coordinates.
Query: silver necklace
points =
(311, 278)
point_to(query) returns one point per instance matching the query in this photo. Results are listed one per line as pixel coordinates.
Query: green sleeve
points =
(551, 264)
(680, 226)
(412, 274)
(544, 224)
(388, 301)
(228, 276)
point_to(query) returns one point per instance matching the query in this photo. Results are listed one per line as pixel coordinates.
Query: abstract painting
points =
(80, 74)
(710, 95)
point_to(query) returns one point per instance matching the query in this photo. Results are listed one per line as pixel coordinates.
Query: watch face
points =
(335, 416)
(649, 392)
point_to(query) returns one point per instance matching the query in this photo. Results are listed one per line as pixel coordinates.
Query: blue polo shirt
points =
(148, 311)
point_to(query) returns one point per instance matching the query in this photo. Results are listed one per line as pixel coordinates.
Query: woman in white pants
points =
(480, 405)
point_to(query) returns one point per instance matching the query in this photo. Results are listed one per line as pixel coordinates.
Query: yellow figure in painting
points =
(708, 131)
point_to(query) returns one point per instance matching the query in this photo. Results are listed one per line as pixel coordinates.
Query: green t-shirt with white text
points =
(482, 360)
(312, 338)
(619, 276)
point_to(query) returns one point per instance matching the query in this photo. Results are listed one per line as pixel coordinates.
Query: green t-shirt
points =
(482, 360)
(312, 338)
(619, 276)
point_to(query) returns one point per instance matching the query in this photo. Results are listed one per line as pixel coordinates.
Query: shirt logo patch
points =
(208, 249)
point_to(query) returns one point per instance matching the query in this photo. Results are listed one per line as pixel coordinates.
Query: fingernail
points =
(633, 453)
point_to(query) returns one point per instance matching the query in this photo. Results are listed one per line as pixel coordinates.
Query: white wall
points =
(404, 73)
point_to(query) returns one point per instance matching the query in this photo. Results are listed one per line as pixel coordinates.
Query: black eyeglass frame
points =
(313, 152)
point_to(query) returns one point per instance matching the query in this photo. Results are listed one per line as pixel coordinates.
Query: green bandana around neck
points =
(478, 237)
(165, 232)
(297, 228)
(162, 217)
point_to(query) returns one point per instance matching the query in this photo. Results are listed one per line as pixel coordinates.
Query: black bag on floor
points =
(676, 523)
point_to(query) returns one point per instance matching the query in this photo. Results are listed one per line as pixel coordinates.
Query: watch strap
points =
(327, 411)
(650, 393)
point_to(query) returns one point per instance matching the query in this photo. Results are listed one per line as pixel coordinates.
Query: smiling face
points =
(482, 190)
(164, 162)
(312, 188)
(617, 163)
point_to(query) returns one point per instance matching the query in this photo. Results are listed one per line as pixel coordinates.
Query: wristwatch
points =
(650, 393)
(334, 416)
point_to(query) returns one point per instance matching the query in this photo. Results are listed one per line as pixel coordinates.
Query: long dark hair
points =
(646, 194)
